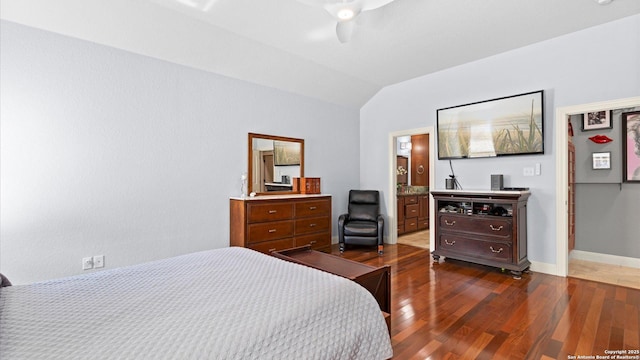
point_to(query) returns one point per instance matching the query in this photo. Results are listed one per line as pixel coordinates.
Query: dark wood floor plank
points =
(458, 310)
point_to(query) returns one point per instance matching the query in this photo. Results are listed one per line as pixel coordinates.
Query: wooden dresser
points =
(485, 227)
(276, 222)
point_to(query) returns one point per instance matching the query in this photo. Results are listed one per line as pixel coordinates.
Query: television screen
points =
(286, 153)
(512, 125)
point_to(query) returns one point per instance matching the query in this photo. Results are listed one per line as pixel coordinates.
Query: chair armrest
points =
(341, 220)
(380, 229)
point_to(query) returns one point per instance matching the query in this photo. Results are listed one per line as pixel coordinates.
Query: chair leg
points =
(380, 249)
(341, 248)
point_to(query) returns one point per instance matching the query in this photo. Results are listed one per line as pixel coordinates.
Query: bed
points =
(231, 303)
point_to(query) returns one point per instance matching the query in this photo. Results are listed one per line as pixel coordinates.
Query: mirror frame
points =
(250, 162)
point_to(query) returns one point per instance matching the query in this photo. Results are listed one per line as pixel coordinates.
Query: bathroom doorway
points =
(411, 174)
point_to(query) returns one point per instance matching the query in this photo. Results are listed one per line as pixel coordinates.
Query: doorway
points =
(411, 183)
(562, 172)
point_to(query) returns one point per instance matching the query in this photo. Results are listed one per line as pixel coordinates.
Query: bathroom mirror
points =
(273, 163)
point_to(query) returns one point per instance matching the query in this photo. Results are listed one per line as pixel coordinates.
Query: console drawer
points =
(492, 226)
(490, 250)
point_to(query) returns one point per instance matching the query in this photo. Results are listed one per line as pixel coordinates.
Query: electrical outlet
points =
(87, 263)
(528, 171)
(98, 261)
(538, 169)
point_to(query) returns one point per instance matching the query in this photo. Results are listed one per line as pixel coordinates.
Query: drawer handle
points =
(312, 225)
(312, 242)
(312, 207)
(273, 211)
(272, 249)
(495, 251)
(449, 223)
(496, 228)
(449, 243)
(272, 230)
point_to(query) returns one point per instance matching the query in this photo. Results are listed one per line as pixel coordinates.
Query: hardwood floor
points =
(458, 310)
(418, 238)
(607, 273)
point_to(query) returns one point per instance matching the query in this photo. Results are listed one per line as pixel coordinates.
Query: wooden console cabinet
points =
(275, 222)
(484, 227)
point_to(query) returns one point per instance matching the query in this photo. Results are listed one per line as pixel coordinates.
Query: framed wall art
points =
(596, 120)
(510, 125)
(601, 160)
(631, 146)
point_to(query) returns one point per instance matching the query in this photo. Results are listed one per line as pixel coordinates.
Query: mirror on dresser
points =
(273, 163)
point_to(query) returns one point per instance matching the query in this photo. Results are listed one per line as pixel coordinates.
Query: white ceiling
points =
(291, 46)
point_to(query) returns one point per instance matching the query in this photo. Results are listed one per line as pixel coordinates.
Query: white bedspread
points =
(230, 303)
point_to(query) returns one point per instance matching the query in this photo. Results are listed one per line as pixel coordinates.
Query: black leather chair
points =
(363, 224)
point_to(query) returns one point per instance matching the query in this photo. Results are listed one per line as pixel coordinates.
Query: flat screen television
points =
(286, 153)
(512, 125)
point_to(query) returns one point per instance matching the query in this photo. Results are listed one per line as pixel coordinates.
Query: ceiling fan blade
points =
(344, 30)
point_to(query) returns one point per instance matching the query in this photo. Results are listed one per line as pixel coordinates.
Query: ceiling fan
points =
(345, 12)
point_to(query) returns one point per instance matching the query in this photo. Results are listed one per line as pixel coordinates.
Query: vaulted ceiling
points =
(288, 45)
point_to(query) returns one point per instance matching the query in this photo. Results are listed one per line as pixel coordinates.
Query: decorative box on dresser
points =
(484, 227)
(276, 222)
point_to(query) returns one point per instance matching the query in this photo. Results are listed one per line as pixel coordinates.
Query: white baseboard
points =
(614, 260)
(545, 268)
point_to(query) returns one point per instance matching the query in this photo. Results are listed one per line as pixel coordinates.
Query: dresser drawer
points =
(317, 241)
(312, 208)
(490, 250)
(491, 226)
(408, 200)
(269, 212)
(423, 224)
(410, 225)
(270, 231)
(411, 211)
(269, 246)
(312, 225)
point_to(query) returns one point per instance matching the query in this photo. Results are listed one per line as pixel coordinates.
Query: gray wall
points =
(607, 210)
(108, 152)
(566, 68)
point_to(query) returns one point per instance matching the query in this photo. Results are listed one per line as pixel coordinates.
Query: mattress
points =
(230, 303)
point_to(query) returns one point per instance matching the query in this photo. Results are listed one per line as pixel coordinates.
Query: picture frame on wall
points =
(631, 146)
(601, 160)
(596, 120)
